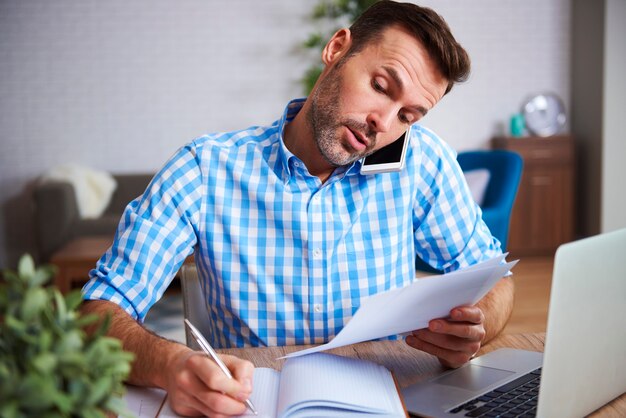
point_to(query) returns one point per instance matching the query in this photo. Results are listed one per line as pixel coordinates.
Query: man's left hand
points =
(454, 340)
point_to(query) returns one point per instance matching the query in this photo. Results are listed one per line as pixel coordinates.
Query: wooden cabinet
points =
(543, 213)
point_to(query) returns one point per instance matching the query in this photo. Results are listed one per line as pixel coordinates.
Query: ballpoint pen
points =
(206, 347)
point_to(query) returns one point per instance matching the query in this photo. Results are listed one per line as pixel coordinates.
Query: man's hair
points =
(424, 24)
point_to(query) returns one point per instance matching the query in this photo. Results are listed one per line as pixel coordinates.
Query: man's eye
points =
(377, 86)
(404, 118)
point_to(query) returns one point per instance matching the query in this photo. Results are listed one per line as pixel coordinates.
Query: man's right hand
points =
(197, 386)
(195, 383)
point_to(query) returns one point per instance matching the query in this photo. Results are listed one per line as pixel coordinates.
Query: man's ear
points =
(337, 47)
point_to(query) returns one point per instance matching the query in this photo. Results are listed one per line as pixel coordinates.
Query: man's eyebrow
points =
(396, 78)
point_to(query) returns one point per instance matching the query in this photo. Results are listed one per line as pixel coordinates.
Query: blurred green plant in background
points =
(49, 366)
(333, 15)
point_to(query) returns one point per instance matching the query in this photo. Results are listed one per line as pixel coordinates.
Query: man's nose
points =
(380, 120)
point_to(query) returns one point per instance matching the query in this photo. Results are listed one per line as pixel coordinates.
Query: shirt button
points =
(296, 164)
(316, 198)
(317, 253)
(318, 308)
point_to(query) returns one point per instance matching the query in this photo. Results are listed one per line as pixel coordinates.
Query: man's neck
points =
(298, 138)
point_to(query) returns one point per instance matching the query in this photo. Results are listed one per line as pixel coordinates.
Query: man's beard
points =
(325, 124)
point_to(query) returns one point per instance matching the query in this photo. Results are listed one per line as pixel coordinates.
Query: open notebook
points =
(322, 385)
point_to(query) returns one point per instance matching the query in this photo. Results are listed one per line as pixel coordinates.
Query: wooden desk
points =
(410, 365)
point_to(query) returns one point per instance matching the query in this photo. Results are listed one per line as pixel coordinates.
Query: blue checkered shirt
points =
(284, 258)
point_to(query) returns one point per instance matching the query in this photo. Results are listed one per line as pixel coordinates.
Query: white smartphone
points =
(387, 159)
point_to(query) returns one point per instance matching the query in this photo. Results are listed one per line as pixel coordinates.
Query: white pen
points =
(206, 347)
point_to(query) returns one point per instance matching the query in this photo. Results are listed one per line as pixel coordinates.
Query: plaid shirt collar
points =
(287, 160)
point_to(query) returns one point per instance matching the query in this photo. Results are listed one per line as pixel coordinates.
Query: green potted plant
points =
(49, 365)
(330, 16)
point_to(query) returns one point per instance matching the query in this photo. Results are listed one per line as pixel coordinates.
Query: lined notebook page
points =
(338, 382)
(264, 392)
(144, 402)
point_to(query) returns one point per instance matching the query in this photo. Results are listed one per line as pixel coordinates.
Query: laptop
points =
(584, 362)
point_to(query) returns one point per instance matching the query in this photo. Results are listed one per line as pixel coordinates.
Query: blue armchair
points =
(505, 168)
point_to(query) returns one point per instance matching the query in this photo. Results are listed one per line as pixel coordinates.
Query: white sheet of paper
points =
(144, 402)
(412, 307)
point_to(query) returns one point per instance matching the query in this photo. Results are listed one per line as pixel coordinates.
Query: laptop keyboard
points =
(517, 398)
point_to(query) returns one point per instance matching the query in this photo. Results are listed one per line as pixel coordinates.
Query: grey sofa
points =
(57, 218)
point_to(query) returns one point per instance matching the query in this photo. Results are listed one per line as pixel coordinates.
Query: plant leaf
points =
(61, 308)
(26, 267)
(118, 405)
(35, 301)
(100, 389)
(45, 363)
(42, 275)
(38, 390)
(15, 325)
(85, 320)
(73, 300)
(314, 40)
(10, 409)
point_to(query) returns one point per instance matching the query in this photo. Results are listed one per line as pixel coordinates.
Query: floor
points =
(533, 279)
(532, 275)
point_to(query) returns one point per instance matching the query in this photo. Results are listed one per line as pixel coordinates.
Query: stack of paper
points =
(410, 308)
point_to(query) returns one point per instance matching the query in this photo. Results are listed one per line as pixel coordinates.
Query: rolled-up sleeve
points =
(157, 231)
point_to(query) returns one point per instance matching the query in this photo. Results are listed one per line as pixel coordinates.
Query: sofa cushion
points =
(129, 186)
(104, 225)
(93, 188)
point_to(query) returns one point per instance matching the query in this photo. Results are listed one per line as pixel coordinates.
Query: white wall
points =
(517, 48)
(614, 140)
(119, 85)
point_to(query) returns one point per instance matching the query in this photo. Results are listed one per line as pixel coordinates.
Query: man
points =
(288, 235)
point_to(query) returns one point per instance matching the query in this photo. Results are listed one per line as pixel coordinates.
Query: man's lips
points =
(358, 141)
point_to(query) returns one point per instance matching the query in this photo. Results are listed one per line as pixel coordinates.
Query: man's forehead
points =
(397, 79)
(406, 61)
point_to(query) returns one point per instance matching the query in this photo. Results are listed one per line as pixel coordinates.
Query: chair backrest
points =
(505, 168)
(194, 304)
(505, 172)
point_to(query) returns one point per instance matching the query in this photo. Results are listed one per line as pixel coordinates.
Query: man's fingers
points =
(195, 398)
(448, 342)
(242, 370)
(197, 386)
(448, 358)
(454, 340)
(209, 373)
(461, 329)
(471, 314)
(218, 404)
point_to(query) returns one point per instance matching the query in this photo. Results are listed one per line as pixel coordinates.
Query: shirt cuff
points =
(100, 289)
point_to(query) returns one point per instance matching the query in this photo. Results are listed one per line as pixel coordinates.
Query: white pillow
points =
(93, 188)
(477, 180)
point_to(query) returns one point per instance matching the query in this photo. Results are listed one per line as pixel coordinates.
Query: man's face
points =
(369, 100)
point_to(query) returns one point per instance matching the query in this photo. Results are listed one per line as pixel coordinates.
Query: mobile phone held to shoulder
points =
(387, 159)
